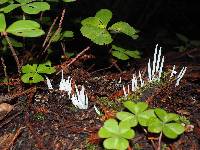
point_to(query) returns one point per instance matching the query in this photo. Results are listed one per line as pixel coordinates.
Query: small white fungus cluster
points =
(79, 98)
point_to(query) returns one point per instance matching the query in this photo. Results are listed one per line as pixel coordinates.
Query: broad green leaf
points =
(172, 130)
(136, 108)
(127, 119)
(67, 1)
(68, 34)
(29, 68)
(120, 55)
(161, 114)
(171, 117)
(125, 131)
(130, 106)
(182, 37)
(134, 54)
(35, 7)
(123, 27)
(143, 118)
(9, 8)
(155, 125)
(105, 133)
(91, 21)
(116, 143)
(97, 35)
(104, 15)
(56, 36)
(25, 28)
(31, 78)
(2, 22)
(24, 1)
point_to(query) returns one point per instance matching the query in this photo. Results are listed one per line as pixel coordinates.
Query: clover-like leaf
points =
(104, 16)
(127, 119)
(24, 1)
(162, 114)
(99, 36)
(46, 68)
(155, 125)
(68, 34)
(32, 78)
(91, 21)
(134, 54)
(172, 130)
(25, 28)
(125, 28)
(2, 22)
(9, 8)
(3, 1)
(35, 7)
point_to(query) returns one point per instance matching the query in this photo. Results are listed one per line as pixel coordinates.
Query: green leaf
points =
(3, 1)
(25, 28)
(46, 68)
(35, 7)
(171, 117)
(56, 36)
(136, 108)
(195, 43)
(67, 1)
(155, 125)
(182, 37)
(29, 68)
(9, 8)
(68, 34)
(91, 21)
(104, 15)
(120, 55)
(161, 114)
(2, 22)
(143, 118)
(24, 1)
(127, 119)
(97, 35)
(118, 48)
(116, 143)
(31, 78)
(125, 28)
(172, 130)
(13, 41)
(134, 54)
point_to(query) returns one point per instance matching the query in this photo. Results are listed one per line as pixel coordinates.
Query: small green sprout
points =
(32, 72)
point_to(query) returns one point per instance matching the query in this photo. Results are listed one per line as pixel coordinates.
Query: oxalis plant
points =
(96, 29)
(117, 133)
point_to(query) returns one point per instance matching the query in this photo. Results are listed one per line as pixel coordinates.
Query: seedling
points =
(116, 135)
(32, 73)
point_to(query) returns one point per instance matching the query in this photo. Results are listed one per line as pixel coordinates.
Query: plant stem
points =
(13, 52)
(159, 141)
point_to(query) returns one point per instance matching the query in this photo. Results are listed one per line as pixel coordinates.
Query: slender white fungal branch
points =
(80, 99)
(154, 60)
(180, 75)
(97, 110)
(173, 72)
(141, 81)
(124, 90)
(149, 70)
(158, 61)
(120, 80)
(49, 84)
(161, 67)
(134, 85)
(65, 85)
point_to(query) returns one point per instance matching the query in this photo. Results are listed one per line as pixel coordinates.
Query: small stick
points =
(13, 52)
(159, 141)
(5, 72)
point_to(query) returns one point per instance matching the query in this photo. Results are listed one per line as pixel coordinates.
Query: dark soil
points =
(46, 119)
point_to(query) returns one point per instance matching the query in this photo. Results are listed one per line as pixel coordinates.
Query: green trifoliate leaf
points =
(25, 28)
(118, 48)
(32, 78)
(172, 130)
(24, 1)
(104, 16)
(136, 108)
(97, 35)
(133, 54)
(162, 114)
(3, 1)
(144, 117)
(120, 55)
(35, 7)
(91, 21)
(125, 28)
(2, 22)
(116, 143)
(46, 68)
(155, 125)
(9, 8)
(127, 119)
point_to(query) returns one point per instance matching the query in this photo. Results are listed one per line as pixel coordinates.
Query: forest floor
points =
(35, 118)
